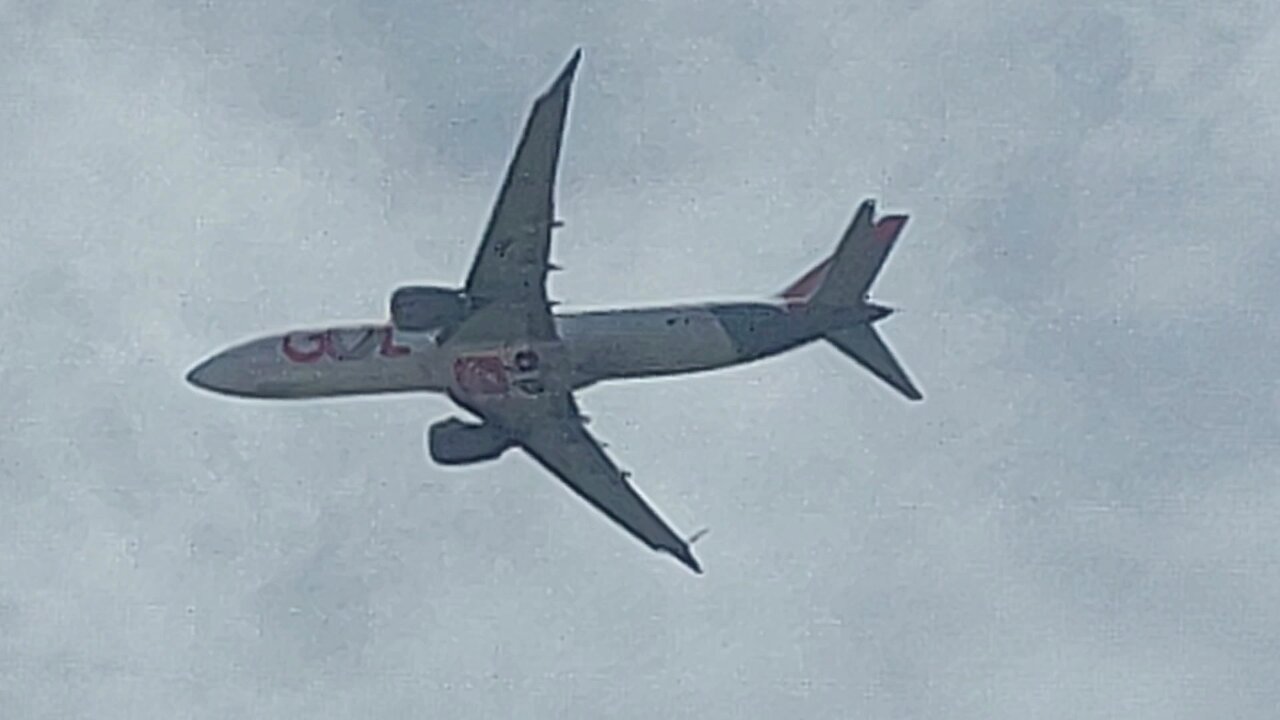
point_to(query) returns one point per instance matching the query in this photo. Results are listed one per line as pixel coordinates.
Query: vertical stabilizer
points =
(845, 278)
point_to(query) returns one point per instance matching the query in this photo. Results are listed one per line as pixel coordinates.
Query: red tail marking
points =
(800, 290)
(889, 227)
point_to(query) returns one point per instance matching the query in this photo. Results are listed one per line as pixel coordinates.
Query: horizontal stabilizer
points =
(865, 346)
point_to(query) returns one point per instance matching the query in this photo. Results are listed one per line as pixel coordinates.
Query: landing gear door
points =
(526, 371)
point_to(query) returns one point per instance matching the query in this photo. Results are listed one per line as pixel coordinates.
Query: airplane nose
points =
(217, 374)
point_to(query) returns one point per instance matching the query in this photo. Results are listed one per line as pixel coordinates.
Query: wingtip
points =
(911, 392)
(560, 87)
(686, 558)
(571, 67)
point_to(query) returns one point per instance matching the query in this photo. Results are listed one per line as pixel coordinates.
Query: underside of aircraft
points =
(497, 349)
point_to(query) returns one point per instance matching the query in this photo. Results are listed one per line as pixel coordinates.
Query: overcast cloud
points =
(1079, 521)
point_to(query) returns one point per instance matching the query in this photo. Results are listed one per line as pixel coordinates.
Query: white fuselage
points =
(645, 342)
(613, 344)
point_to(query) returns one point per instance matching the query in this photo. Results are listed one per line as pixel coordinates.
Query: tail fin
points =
(844, 280)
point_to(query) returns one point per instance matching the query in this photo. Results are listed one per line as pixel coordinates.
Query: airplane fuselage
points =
(368, 359)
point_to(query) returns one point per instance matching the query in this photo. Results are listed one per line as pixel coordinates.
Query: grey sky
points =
(1079, 521)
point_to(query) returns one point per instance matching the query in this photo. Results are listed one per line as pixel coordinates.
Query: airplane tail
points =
(839, 287)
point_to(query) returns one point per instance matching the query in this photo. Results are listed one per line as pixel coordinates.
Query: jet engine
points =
(454, 442)
(426, 308)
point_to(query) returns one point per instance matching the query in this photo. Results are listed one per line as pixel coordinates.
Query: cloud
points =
(1075, 522)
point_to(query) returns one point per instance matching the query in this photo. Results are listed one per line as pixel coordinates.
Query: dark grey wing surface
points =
(551, 429)
(568, 450)
(512, 263)
(561, 444)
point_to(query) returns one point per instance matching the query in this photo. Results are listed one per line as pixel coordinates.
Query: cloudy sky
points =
(1079, 521)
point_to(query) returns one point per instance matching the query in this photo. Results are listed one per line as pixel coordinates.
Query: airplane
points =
(497, 349)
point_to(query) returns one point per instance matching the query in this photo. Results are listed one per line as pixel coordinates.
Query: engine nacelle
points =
(422, 309)
(454, 442)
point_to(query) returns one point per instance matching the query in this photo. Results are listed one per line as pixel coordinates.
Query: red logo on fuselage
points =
(496, 372)
(341, 345)
(481, 374)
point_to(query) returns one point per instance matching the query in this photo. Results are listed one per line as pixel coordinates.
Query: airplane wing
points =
(512, 264)
(572, 454)
(551, 429)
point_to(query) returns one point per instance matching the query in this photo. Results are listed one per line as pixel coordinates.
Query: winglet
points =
(686, 558)
(684, 552)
